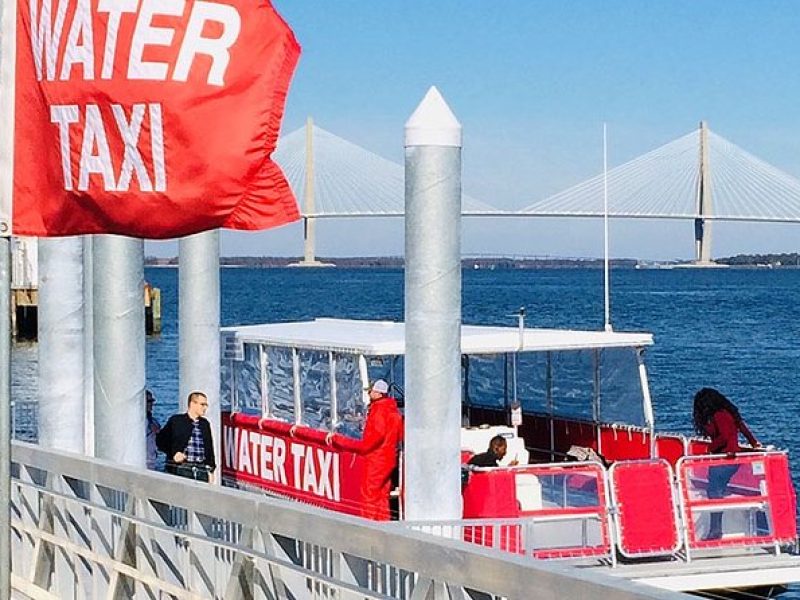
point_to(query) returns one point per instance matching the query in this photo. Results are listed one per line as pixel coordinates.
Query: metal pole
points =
(198, 324)
(61, 339)
(88, 344)
(8, 37)
(606, 267)
(647, 401)
(433, 311)
(5, 418)
(119, 353)
(597, 399)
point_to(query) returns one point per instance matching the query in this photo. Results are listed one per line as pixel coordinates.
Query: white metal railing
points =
(84, 528)
(552, 536)
(563, 510)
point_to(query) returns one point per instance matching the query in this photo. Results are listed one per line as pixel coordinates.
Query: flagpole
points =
(5, 418)
(606, 286)
(8, 41)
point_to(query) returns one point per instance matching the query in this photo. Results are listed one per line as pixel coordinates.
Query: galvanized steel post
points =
(433, 311)
(88, 345)
(5, 418)
(119, 351)
(198, 324)
(61, 341)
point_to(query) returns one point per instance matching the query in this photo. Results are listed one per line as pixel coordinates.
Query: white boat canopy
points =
(387, 338)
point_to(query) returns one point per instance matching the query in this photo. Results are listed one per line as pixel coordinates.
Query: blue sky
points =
(532, 82)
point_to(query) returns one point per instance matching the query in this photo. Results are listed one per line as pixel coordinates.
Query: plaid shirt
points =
(195, 451)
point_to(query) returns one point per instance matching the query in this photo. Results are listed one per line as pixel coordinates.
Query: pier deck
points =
(715, 570)
(86, 528)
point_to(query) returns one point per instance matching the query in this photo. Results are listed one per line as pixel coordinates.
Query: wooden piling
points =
(25, 305)
(152, 310)
(24, 313)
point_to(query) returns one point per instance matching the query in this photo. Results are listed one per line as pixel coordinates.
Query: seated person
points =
(492, 457)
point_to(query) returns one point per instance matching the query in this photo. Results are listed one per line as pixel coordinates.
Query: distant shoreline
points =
(267, 262)
(791, 261)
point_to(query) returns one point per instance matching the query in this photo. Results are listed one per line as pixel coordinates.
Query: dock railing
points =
(86, 528)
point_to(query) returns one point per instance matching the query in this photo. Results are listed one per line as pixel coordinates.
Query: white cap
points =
(433, 123)
(379, 385)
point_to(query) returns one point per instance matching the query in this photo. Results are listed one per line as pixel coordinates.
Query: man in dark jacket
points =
(187, 442)
(492, 457)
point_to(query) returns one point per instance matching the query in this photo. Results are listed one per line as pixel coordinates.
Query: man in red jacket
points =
(383, 433)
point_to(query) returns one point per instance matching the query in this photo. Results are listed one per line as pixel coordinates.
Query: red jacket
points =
(383, 433)
(724, 432)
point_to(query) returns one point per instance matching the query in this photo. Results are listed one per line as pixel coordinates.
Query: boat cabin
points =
(593, 479)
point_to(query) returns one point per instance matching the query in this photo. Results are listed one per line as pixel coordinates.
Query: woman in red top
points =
(718, 418)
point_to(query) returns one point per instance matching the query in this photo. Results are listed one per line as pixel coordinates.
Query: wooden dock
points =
(25, 319)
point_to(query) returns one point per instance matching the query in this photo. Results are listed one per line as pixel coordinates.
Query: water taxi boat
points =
(635, 504)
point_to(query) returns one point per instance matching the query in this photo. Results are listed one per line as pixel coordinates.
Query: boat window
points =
(397, 378)
(379, 367)
(532, 382)
(484, 379)
(573, 384)
(247, 380)
(315, 389)
(226, 385)
(281, 383)
(388, 368)
(351, 410)
(620, 387)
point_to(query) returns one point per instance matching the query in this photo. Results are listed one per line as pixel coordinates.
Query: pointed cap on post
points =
(433, 123)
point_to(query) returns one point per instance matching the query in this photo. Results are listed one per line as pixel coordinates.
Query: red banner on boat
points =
(149, 118)
(290, 461)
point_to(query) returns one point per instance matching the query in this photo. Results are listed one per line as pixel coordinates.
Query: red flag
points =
(149, 118)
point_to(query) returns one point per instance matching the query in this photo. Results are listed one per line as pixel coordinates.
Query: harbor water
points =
(734, 329)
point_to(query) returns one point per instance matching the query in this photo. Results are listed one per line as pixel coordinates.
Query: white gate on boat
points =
(750, 496)
(644, 508)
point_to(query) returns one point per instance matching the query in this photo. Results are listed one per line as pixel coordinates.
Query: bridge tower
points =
(309, 205)
(309, 226)
(702, 226)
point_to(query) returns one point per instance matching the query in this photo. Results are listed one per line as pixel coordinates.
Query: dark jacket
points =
(485, 459)
(174, 437)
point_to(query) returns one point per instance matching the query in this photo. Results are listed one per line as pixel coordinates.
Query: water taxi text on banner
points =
(149, 119)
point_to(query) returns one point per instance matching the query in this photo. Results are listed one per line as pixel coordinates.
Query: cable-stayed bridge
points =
(348, 180)
(700, 176)
(665, 183)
